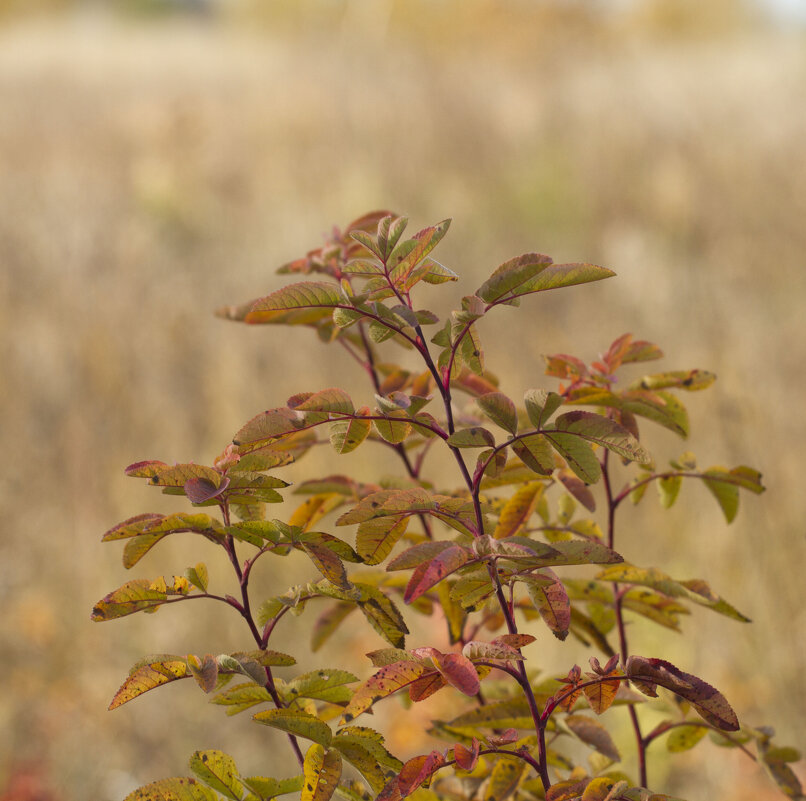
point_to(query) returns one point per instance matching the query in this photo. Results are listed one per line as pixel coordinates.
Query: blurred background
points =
(158, 159)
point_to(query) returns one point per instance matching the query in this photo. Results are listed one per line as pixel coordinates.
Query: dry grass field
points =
(152, 169)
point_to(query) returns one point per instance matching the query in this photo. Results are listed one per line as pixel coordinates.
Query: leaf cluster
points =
(484, 550)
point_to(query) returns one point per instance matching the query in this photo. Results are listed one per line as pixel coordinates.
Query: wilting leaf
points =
(707, 700)
(604, 788)
(593, 733)
(578, 489)
(382, 615)
(387, 680)
(376, 538)
(432, 572)
(204, 670)
(133, 596)
(298, 723)
(218, 770)
(148, 676)
(551, 602)
(327, 563)
(679, 379)
(500, 409)
(505, 778)
(466, 758)
(177, 789)
(322, 771)
(518, 510)
(418, 771)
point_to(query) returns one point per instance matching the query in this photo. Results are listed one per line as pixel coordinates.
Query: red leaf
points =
(432, 572)
(418, 770)
(467, 758)
(458, 671)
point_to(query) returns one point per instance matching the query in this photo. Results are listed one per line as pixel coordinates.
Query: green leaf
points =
(724, 485)
(604, 432)
(668, 489)
(395, 428)
(577, 453)
(218, 770)
(556, 276)
(508, 280)
(298, 723)
(347, 435)
(322, 771)
(176, 789)
(198, 576)
(683, 738)
(147, 676)
(303, 295)
(424, 242)
(473, 437)
(317, 684)
(500, 409)
(534, 450)
(241, 697)
(271, 788)
(659, 406)
(540, 405)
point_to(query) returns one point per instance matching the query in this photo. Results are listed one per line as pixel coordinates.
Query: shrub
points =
(486, 558)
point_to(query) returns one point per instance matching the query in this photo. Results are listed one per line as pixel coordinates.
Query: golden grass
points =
(149, 174)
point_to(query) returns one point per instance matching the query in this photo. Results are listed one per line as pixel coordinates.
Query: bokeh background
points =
(158, 159)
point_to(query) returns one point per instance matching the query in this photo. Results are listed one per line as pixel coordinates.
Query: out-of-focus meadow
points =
(154, 166)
